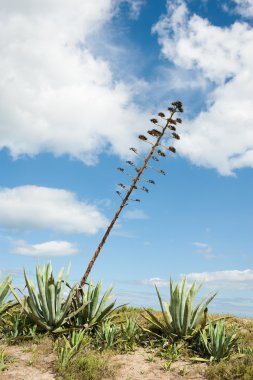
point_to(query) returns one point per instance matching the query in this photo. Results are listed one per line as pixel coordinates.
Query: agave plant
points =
(108, 334)
(46, 305)
(179, 318)
(130, 334)
(97, 308)
(216, 342)
(4, 294)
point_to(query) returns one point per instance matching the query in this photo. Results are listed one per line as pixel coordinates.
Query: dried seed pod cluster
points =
(166, 129)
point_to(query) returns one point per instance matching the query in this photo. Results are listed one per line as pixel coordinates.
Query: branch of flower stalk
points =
(177, 107)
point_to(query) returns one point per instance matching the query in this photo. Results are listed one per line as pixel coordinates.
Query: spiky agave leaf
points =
(98, 307)
(71, 346)
(216, 342)
(179, 318)
(4, 294)
(46, 304)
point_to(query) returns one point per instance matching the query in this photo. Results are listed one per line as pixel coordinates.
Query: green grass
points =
(89, 365)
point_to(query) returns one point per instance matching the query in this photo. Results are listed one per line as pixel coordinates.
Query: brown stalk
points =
(126, 198)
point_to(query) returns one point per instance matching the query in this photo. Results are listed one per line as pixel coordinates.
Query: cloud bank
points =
(34, 207)
(221, 136)
(56, 95)
(231, 279)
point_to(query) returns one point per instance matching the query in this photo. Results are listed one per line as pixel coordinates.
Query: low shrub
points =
(234, 369)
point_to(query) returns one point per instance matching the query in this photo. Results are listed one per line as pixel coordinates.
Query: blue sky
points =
(80, 80)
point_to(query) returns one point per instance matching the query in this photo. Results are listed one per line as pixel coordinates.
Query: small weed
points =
(150, 358)
(183, 371)
(2, 360)
(150, 346)
(166, 365)
(34, 355)
(170, 352)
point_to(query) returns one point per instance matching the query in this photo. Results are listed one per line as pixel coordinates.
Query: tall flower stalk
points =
(167, 130)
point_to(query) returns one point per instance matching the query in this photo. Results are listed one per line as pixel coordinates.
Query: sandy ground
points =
(36, 362)
(29, 362)
(137, 366)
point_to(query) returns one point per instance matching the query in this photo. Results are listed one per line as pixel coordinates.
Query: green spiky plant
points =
(216, 342)
(107, 335)
(70, 347)
(47, 305)
(98, 307)
(16, 326)
(180, 319)
(4, 294)
(130, 334)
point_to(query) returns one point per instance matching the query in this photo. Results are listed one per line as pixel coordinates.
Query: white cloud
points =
(34, 207)
(135, 214)
(221, 136)
(55, 94)
(159, 282)
(135, 7)
(204, 249)
(49, 248)
(244, 8)
(233, 279)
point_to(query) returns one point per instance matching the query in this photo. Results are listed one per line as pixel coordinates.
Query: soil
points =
(37, 362)
(30, 362)
(137, 366)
